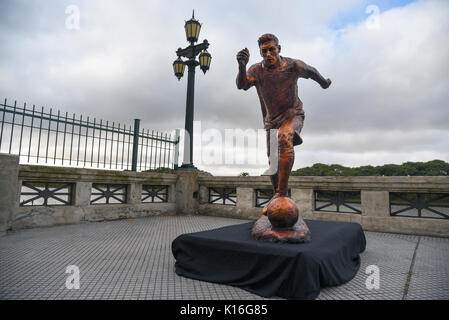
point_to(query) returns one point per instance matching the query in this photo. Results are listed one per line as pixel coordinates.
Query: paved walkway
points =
(132, 260)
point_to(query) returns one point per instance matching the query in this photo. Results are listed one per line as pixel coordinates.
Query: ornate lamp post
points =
(192, 28)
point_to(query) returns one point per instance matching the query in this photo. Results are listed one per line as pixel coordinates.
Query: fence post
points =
(176, 153)
(135, 144)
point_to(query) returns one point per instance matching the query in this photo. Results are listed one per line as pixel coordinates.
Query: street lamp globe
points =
(178, 68)
(192, 28)
(205, 59)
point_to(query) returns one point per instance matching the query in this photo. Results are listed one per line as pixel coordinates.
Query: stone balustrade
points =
(13, 216)
(374, 200)
(191, 193)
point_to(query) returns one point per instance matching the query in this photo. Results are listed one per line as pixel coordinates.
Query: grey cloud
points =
(118, 67)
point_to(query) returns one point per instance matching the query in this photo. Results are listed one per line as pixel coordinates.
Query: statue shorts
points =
(288, 127)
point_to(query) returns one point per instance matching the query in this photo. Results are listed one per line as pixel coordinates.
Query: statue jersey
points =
(278, 90)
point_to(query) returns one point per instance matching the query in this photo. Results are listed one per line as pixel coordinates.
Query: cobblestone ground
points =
(132, 259)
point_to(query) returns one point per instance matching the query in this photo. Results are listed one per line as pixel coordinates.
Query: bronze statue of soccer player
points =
(275, 79)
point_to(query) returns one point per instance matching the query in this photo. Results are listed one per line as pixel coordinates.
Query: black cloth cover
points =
(230, 255)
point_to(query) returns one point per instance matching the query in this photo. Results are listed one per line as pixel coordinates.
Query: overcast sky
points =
(388, 61)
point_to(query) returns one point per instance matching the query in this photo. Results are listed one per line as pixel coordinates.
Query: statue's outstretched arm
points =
(306, 71)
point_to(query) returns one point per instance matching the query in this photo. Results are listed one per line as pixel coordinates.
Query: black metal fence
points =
(419, 205)
(55, 138)
(263, 196)
(338, 201)
(224, 196)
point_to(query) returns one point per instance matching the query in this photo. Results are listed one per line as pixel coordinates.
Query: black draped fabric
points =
(230, 255)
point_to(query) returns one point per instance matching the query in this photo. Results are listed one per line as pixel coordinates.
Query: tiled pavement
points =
(132, 259)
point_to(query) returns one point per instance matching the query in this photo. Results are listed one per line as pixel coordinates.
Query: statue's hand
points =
(243, 57)
(328, 83)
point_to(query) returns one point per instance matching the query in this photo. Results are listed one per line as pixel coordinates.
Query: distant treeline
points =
(430, 168)
(170, 170)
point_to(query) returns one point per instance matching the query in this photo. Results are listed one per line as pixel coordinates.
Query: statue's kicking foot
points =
(265, 209)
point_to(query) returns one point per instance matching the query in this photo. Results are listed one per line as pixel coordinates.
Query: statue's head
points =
(269, 49)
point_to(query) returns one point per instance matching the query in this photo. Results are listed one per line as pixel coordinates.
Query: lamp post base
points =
(187, 167)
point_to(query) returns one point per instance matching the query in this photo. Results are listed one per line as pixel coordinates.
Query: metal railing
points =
(419, 205)
(338, 201)
(52, 138)
(224, 196)
(46, 194)
(263, 196)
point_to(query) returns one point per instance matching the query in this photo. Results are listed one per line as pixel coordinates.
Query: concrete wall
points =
(82, 210)
(189, 192)
(374, 200)
(9, 198)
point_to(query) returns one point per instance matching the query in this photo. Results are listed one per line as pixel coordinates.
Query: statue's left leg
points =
(273, 160)
(286, 153)
(273, 157)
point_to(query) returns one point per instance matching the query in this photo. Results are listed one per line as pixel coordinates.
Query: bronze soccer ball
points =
(282, 213)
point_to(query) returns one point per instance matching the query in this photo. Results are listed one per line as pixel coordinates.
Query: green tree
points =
(389, 170)
(364, 171)
(430, 168)
(437, 168)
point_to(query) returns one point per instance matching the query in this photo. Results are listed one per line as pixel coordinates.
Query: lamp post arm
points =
(193, 50)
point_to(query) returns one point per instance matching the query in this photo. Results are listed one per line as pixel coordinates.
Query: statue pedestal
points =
(230, 255)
